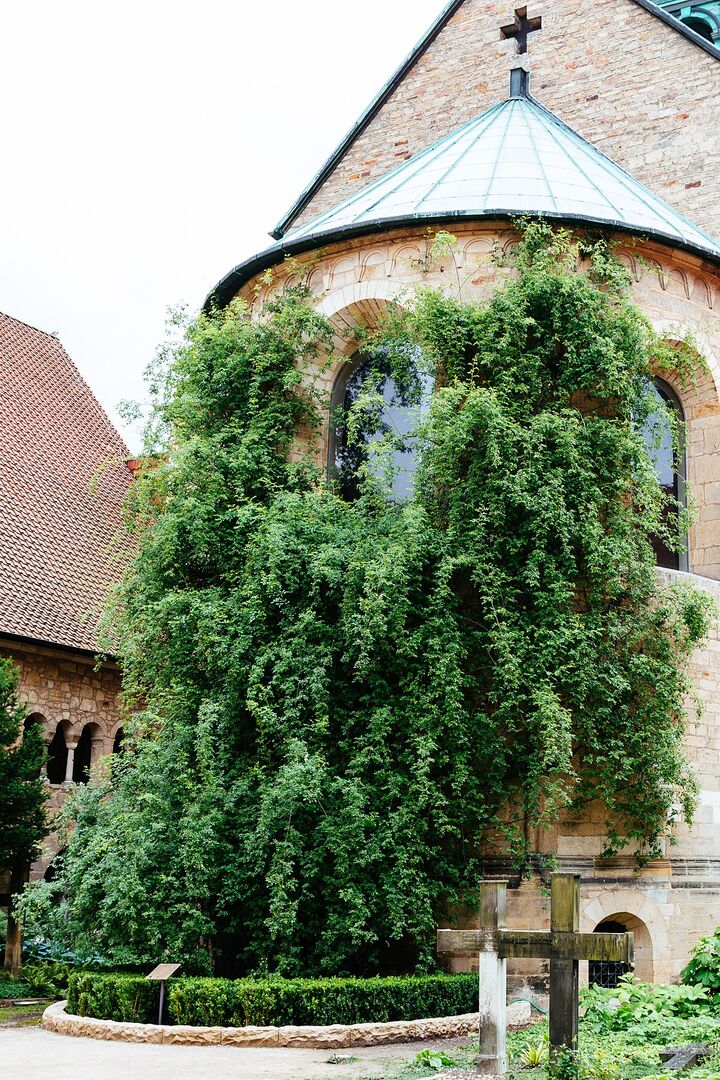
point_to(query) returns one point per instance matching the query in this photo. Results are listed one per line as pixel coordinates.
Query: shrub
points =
(273, 1002)
(113, 997)
(633, 1002)
(704, 966)
(47, 980)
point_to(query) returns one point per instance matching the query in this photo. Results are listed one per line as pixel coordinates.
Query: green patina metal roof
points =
(702, 16)
(515, 159)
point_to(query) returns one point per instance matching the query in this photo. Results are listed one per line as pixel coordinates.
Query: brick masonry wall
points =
(634, 87)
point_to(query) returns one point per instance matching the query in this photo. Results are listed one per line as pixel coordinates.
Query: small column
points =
(564, 988)
(492, 1060)
(71, 748)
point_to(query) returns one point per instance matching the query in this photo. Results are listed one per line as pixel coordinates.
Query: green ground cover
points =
(631, 1055)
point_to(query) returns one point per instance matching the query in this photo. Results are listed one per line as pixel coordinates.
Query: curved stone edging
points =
(318, 1038)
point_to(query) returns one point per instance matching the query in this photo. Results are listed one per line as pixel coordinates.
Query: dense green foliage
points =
(634, 1002)
(339, 704)
(273, 1002)
(22, 791)
(703, 968)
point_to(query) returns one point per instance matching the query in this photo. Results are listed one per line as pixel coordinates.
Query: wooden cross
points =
(521, 28)
(563, 945)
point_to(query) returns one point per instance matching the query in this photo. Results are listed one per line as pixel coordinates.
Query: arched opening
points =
(386, 412)
(700, 26)
(34, 720)
(84, 753)
(118, 741)
(608, 974)
(664, 433)
(57, 756)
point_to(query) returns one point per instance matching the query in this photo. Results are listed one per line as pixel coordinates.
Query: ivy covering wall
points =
(339, 705)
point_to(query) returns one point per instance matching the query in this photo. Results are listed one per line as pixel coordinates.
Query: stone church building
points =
(609, 120)
(601, 114)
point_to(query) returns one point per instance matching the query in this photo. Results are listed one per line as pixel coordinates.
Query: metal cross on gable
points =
(521, 28)
(563, 945)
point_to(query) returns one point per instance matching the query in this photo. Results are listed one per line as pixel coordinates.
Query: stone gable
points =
(634, 87)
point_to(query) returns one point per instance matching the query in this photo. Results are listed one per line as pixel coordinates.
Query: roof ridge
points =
(31, 326)
(55, 340)
(386, 92)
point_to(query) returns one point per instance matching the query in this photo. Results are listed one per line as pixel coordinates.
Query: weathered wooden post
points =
(564, 973)
(492, 1058)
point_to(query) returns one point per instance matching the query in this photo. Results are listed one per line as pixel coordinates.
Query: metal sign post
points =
(161, 974)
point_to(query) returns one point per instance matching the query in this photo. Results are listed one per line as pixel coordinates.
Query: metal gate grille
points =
(607, 973)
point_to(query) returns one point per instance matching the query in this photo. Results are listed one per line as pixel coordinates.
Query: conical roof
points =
(515, 159)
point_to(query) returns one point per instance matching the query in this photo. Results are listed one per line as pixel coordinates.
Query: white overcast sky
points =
(149, 147)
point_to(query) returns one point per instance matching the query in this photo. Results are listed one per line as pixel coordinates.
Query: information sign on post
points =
(161, 974)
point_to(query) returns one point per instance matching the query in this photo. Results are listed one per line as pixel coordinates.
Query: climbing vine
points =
(341, 708)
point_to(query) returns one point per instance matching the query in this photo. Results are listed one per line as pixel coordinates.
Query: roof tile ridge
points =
(29, 326)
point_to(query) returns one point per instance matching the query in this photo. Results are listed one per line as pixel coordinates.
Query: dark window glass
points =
(83, 756)
(669, 463)
(393, 413)
(57, 757)
(607, 973)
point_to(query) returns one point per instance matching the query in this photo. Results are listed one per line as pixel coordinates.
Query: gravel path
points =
(33, 1054)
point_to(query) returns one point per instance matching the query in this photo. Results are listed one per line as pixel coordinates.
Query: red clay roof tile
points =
(63, 477)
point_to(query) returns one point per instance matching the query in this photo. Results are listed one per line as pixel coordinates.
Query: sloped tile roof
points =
(60, 510)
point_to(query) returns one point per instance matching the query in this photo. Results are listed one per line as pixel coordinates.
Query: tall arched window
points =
(392, 412)
(669, 461)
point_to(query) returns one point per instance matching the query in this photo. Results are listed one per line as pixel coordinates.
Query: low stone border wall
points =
(312, 1038)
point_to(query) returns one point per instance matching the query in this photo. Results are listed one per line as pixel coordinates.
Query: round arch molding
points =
(641, 916)
(672, 330)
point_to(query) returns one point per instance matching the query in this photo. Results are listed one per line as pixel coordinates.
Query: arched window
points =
(57, 757)
(669, 461)
(392, 413)
(118, 741)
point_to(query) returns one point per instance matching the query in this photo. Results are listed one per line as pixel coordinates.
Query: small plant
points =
(567, 1065)
(533, 1057)
(46, 980)
(633, 1002)
(603, 1065)
(704, 966)
(433, 1059)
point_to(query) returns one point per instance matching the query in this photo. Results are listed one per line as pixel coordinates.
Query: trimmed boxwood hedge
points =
(272, 1002)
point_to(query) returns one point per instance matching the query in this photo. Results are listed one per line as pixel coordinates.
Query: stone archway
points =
(640, 915)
